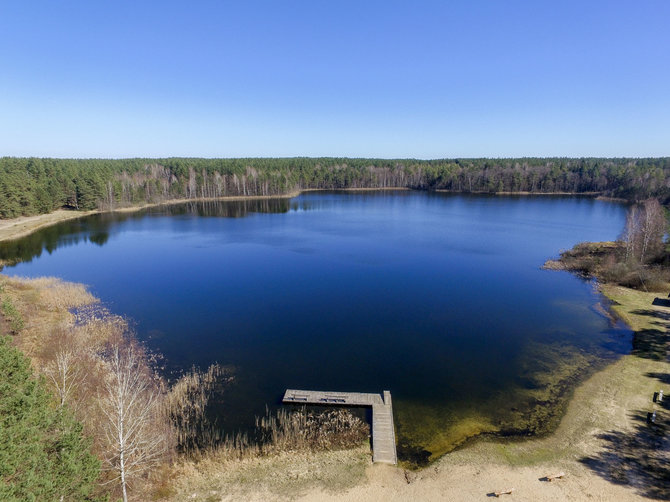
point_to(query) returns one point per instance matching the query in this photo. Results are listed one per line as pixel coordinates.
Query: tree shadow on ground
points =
(661, 377)
(639, 458)
(665, 316)
(661, 302)
(651, 344)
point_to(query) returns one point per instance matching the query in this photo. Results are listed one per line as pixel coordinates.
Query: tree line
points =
(31, 186)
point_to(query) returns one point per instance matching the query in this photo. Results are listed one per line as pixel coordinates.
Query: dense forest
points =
(34, 185)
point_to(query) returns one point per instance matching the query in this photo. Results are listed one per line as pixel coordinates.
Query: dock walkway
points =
(383, 432)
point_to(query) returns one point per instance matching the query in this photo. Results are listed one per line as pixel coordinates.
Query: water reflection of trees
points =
(49, 239)
(224, 209)
(98, 228)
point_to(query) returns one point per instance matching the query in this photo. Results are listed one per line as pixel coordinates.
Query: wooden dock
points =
(383, 432)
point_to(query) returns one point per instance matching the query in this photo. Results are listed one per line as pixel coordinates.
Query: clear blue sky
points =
(334, 78)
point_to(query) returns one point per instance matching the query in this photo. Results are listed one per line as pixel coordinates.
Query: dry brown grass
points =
(606, 261)
(43, 304)
(55, 310)
(295, 451)
(283, 476)
(308, 430)
(56, 294)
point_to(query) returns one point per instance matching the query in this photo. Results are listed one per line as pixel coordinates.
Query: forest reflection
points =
(98, 228)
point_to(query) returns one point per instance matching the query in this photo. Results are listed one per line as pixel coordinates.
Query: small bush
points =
(12, 315)
(654, 279)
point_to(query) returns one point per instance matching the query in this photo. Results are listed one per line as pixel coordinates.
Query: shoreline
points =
(522, 192)
(22, 226)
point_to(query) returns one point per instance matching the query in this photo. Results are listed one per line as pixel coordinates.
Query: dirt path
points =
(25, 225)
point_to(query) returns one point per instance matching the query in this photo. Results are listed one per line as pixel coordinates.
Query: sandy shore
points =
(25, 225)
(594, 469)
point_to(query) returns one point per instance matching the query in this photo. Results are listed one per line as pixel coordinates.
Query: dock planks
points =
(383, 431)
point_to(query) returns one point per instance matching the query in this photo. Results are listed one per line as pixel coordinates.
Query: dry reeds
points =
(310, 430)
(56, 294)
(185, 405)
(292, 431)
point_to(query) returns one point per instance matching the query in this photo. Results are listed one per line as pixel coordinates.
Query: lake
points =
(439, 298)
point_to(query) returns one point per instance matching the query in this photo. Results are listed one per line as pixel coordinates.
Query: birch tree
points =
(631, 232)
(133, 432)
(653, 228)
(65, 375)
(646, 226)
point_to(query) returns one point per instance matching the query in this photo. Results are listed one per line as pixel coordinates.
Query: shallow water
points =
(439, 298)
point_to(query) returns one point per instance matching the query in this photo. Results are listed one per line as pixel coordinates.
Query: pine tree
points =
(43, 453)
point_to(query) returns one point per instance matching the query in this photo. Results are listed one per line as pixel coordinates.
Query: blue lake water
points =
(439, 298)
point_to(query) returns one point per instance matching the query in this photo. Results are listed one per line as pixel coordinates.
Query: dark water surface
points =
(439, 298)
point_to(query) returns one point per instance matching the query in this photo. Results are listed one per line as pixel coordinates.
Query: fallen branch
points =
(555, 476)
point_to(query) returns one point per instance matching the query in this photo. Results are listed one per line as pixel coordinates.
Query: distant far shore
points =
(15, 228)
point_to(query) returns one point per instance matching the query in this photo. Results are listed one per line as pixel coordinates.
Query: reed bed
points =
(295, 431)
(56, 294)
(185, 405)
